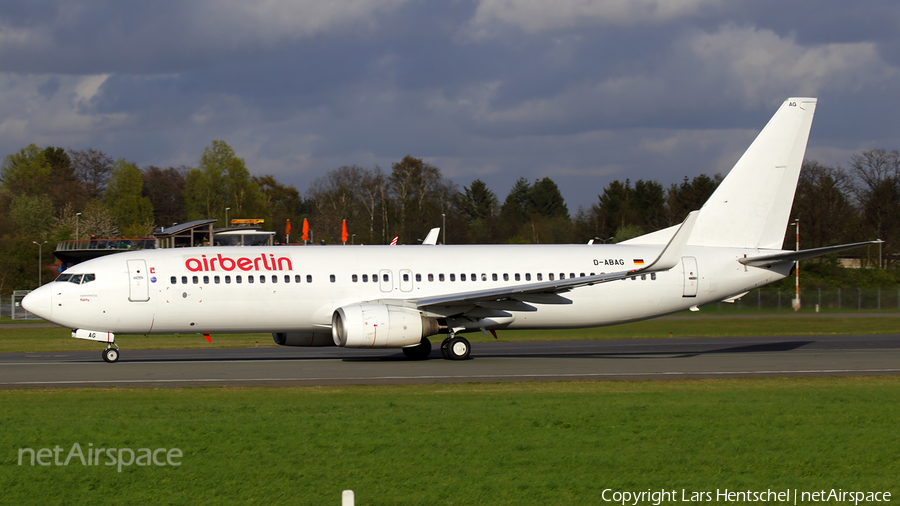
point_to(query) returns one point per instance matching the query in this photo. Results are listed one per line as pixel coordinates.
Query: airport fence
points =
(817, 299)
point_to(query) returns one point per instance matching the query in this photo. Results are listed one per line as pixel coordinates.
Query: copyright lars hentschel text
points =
(786, 496)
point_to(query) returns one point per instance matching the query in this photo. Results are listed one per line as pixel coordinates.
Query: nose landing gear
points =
(111, 354)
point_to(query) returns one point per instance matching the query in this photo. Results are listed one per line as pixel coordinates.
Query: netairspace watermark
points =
(785, 496)
(120, 457)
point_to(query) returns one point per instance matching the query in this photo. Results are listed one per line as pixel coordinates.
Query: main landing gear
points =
(419, 351)
(455, 348)
(452, 348)
(111, 354)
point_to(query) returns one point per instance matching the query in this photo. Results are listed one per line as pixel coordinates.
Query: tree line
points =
(51, 194)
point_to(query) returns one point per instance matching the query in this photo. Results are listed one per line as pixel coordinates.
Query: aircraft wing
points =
(792, 256)
(547, 292)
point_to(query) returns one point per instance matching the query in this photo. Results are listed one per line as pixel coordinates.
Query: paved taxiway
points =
(635, 359)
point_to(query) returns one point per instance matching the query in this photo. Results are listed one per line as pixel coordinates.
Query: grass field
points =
(19, 339)
(527, 443)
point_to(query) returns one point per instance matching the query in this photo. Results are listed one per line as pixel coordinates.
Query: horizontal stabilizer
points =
(792, 256)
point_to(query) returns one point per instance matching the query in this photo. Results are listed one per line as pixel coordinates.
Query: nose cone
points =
(38, 302)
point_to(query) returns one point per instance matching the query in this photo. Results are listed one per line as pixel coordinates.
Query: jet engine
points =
(380, 326)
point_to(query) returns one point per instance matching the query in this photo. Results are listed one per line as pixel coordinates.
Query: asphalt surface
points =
(629, 359)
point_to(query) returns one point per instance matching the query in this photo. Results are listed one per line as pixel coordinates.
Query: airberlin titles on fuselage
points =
(224, 263)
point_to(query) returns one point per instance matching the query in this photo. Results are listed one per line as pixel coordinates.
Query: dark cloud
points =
(496, 93)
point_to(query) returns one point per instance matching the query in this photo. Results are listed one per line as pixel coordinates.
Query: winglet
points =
(671, 254)
(432, 236)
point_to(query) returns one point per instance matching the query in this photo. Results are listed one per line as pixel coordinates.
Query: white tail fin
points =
(752, 206)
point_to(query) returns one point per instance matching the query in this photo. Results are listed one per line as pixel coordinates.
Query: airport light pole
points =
(76, 225)
(797, 268)
(352, 239)
(444, 226)
(40, 246)
(226, 216)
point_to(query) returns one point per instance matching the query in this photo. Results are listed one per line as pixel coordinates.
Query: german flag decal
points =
(638, 261)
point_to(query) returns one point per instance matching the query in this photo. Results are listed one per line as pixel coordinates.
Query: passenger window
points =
(250, 279)
(205, 280)
(174, 280)
(183, 280)
(274, 278)
(473, 277)
(562, 275)
(652, 276)
(550, 276)
(365, 278)
(418, 278)
(539, 277)
(237, 279)
(354, 278)
(441, 276)
(332, 278)
(76, 278)
(462, 277)
(643, 277)
(296, 278)
(452, 277)
(484, 277)
(431, 277)
(217, 280)
(262, 278)
(505, 277)
(196, 280)
(571, 274)
(309, 278)
(227, 280)
(405, 277)
(517, 277)
(385, 278)
(287, 278)
(582, 275)
(527, 276)
(494, 276)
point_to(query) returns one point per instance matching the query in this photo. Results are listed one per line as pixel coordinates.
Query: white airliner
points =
(396, 297)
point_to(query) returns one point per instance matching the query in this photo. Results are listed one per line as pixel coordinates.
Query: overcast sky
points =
(582, 91)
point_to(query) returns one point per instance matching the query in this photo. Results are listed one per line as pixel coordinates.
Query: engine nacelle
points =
(303, 339)
(380, 326)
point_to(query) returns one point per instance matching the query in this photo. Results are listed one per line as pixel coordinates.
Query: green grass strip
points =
(517, 444)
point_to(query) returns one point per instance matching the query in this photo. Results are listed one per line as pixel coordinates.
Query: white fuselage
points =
(196, 290)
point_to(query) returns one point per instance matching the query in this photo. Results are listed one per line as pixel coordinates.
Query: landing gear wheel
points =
(110, 355)
(456, 348)
(419, 351)
(444, 345)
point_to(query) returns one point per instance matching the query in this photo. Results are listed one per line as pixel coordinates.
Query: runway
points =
(631, 359)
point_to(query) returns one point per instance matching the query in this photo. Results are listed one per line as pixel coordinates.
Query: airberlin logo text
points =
(219, 263)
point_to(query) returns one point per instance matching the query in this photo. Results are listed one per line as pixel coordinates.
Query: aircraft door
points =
(406, 282)
(690, 276)
(139, 281)
(385, 281)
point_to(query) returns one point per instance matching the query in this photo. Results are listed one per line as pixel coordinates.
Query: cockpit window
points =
(78, 279)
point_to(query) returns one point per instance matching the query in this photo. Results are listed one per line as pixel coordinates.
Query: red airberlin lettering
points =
(227, 264)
